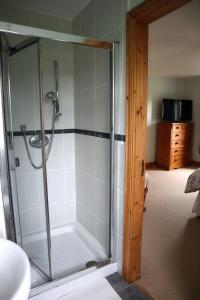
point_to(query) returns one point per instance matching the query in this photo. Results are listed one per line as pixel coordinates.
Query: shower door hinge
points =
(17, 162)
(143, 168)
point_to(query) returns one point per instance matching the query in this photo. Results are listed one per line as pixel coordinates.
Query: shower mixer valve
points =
(23, 127)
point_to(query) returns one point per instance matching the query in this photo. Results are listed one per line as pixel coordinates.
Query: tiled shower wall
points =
(61, 163)
(104, 20)
(92, 113)
(26, 110)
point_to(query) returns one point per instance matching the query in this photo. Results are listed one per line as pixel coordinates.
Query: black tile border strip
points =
(120, 137)
(47, 131)
(93, 133)
(105, 135)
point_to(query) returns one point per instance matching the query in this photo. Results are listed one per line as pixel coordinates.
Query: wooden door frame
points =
(138, 20)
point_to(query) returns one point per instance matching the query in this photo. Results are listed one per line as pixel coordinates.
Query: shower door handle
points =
(17, 162)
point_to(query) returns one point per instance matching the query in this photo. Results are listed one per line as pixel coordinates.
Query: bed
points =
(193, 185)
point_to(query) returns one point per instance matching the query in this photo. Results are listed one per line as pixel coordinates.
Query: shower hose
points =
(49, 147)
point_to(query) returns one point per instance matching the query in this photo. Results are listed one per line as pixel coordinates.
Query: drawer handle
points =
(176, 151)
(177, 135)
(177, 127)
(175, 160)
(176, 143)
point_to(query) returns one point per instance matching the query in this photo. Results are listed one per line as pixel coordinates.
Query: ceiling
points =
(174, 43)
(67, 9)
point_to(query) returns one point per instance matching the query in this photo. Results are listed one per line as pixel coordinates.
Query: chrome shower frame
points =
(35, 34)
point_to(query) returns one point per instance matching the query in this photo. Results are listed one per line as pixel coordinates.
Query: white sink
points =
(15, 273)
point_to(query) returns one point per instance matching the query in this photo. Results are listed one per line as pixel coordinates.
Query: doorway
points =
(136, 110)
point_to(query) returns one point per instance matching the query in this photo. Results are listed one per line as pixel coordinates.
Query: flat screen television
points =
(177, 110)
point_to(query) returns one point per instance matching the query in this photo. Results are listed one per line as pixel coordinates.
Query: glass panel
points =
(78, 167)
(76, 88)
(92, 151)
(25, 117)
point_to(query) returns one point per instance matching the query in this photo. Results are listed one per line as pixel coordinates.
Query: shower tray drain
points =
(91, 263)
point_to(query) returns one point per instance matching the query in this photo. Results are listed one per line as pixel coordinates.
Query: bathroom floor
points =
(70, 253)
(113, 287)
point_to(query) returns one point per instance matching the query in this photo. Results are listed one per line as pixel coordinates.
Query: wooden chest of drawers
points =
(174, 145)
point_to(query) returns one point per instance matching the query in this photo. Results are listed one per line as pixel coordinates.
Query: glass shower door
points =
(23, 110)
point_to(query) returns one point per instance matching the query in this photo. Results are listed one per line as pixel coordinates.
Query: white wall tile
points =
(118, 212)
(25, 101)
(102, 233)
(109, 24)
(118, 251)
(88, 109)
(87, 70)
(58, 214)
(102, 201)
(27, 112)
(66, 86)
(102, 109)
(20, 152)
(69, 150)
(71, 211)
(56, 158)
(33, 221)
(86, 191)
(119, 161)
(102, 60)
(70, 184)
(102, 159)
(56, 186)
(27, 187)
(87, 154)
(86, 218)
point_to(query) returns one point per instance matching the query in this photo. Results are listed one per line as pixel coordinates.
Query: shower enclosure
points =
(57, 144)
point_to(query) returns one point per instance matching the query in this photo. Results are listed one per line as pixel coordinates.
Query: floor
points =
(171, 244)
(114, 288)
(70, 253)
(111, 287)
(125, 290)
(97, 290)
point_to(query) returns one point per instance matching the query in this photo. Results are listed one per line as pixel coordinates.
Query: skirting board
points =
(150, 165)
(195, 163)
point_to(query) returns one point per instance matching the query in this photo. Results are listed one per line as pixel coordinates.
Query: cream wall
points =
(169, 87)
(192, 91)
(159, 88)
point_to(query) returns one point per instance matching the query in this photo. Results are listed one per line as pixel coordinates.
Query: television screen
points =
(186, 110)
(177, 110)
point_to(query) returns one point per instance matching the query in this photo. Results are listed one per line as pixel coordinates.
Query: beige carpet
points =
(171, 239)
